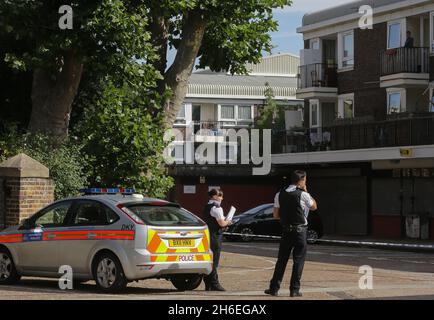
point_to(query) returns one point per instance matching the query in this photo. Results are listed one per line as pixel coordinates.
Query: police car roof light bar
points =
(124, 191)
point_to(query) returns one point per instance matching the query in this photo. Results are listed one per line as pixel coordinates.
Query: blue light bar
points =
(88, 191)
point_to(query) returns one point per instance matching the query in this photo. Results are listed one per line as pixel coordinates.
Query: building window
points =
(181, 113)
(394, 34)
(245, 112)
(396, 100)
(314, 113)
(314, 44)
(346, 106)
(346, 49)
(227, 112)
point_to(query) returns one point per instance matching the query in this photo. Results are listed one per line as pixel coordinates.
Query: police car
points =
(112, 236)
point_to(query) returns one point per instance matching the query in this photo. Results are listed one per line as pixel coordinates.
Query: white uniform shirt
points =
(306, 201)
(216, 212)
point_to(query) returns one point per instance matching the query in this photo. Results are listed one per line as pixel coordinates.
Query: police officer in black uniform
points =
(292, 206)
(215, 219)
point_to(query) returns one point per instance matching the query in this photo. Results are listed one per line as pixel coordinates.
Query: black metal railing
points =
(411, 131)
(404, 60)
(317, 75)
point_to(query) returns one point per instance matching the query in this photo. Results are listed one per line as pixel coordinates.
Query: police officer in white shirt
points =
(292, 206)
(215, 219)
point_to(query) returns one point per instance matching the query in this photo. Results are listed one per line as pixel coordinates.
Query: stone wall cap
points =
(23, 166)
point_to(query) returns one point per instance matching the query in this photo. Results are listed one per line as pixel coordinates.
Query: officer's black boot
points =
(295, 293)
(271, 292)
(216, 287)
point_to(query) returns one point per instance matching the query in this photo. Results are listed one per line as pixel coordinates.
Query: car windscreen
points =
(165, 215)
(255, 210)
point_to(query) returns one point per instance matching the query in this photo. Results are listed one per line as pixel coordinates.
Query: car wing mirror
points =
(28, 224)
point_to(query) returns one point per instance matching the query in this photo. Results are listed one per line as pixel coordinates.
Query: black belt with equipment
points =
(294, 227)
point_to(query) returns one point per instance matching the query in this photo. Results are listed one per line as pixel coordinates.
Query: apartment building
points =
(217, 102)
(368, 136)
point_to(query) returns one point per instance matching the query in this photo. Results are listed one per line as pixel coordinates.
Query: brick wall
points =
(25, 197)
(370, 99)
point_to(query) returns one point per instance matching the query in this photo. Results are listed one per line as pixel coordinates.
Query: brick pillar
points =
(26, 188)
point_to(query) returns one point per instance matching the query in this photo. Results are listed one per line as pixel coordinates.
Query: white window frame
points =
(236, 118)
(431, 31)
(318, 118)
(341, 101)
(251, 113)
(403, 93)
(341, 51)
(403, 24)
(313, 41)
(226, 119)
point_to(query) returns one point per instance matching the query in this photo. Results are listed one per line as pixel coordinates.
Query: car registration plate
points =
(181, 243)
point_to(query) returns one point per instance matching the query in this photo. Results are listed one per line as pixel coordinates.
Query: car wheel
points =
(312, 236)
(108, 273)
(186, 282)
(8, 272)
(246, 233)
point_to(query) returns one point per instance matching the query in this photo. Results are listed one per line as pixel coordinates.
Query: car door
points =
(81, 234)
(267, 225)
(39, 250)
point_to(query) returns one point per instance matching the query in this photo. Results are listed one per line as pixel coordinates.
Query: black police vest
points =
(212, 223)
(291, 211)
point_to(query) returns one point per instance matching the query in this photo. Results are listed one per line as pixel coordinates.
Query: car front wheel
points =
(246, 234)
(312, 236)
(8, 273)
(186, 282)
(108, 273)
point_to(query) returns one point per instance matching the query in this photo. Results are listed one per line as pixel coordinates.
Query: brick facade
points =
(364, 80)
(26, 188)
(27, 196)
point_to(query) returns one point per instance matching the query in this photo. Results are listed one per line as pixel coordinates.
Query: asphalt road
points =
(330, 273)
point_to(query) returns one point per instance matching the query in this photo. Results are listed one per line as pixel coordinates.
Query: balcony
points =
(404, 67)
(411, 131)
(317, 80)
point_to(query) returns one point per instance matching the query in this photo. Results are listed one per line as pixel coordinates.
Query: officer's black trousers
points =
(216, 247)
(296, 240)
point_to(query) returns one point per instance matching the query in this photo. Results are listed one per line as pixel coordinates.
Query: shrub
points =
(65, 162)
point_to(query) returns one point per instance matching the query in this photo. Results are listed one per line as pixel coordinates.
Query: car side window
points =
(94, 214)
(267, 213)
(53, 216)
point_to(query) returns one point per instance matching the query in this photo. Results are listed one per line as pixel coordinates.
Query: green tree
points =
(129, 40)
(65, 162)
(122, 141)
(272, 115)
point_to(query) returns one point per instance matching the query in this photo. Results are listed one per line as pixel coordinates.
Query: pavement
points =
(414, 245)
(330, 273)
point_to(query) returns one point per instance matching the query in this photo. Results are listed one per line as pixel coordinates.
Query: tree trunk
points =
(159, 35)
(177, 76)
(53, 95)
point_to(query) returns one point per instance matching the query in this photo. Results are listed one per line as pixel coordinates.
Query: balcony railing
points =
(404, 60)
(317, 75)
(400, 132)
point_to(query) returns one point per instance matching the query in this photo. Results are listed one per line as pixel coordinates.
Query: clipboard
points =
(231, 213)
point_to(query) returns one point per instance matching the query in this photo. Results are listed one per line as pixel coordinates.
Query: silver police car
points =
(113, 237)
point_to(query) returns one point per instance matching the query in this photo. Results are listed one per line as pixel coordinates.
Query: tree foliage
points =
(66, 162)
(123, 143)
